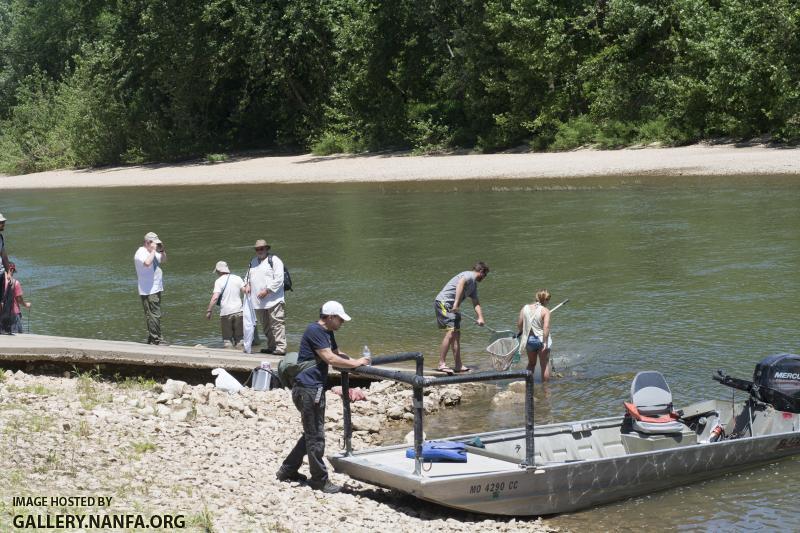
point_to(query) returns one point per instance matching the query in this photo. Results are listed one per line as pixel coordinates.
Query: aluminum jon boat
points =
(565, 467)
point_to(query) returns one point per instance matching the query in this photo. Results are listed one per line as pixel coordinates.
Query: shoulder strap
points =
(269, 258)
(226, 284)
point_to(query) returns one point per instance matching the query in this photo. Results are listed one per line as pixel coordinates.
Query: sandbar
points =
(695, 160)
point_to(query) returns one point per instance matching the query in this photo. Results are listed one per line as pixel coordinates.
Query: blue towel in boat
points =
(441, 451)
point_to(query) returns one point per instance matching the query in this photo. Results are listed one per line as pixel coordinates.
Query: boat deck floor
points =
(395, 460)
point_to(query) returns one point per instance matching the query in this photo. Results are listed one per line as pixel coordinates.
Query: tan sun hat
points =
(261, 242)
(222, 266)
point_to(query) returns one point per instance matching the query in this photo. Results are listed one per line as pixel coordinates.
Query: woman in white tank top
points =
(533, 327)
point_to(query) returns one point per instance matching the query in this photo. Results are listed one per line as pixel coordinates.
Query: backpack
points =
(289, 368)
(287, 278)
(7, 316)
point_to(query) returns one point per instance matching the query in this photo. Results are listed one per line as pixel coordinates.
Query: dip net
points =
(502, 353)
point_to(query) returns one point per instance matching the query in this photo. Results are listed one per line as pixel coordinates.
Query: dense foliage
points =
(89, 82)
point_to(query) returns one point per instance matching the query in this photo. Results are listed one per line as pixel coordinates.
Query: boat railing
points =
(418, 382)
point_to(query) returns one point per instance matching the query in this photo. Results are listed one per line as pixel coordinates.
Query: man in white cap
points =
(265, 287)
(227, 294)
(308, 394)
(148, 260)
(3, 256)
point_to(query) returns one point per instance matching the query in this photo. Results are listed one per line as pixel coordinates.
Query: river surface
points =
(679, 275)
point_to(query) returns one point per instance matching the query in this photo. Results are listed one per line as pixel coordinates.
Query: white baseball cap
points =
(334, 308)
(2, 218)
(222, 266)
(152, 237)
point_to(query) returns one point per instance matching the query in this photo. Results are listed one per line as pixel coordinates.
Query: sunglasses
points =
(260, 249)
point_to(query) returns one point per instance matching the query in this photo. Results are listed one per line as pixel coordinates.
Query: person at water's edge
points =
(533, 330)
(228, 292)
(148, 260)
(10, 314)
(447, 307)
(308, 394)
(3, 256)
(265, 289)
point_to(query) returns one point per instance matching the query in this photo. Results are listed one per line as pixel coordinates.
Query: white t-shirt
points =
(150, 277)
(231, 294)
(271, 278)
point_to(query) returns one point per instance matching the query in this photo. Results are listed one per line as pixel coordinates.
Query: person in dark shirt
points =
(308, 394)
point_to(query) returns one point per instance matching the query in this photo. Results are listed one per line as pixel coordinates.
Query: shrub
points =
(216, 158)
(329, 143)
(337, 143)
(660, 130)
(577, 132)
(429, 136)
(615, 134)
(33, 138)
(75, 122)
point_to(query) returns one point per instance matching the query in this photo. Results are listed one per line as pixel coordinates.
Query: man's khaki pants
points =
(274, 327)
(232, 326)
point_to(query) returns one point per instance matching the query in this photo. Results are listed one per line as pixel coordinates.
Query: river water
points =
(680, 275)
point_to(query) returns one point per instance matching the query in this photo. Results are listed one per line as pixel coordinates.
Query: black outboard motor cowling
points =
(776, 381)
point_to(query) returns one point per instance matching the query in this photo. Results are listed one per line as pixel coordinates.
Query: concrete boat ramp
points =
(30, 348)
(131, 357)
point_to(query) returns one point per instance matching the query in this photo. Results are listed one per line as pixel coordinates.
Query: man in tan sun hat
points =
(265, 289)
(148, 260)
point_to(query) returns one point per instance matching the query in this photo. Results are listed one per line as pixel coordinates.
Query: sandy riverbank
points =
(194, 451)
(698, 160)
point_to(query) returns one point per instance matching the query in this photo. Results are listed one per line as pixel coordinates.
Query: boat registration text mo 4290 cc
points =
(564, 467)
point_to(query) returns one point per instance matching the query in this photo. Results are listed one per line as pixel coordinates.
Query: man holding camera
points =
(148, 260)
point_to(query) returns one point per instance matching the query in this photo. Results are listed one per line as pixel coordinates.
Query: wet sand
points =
(695, 160)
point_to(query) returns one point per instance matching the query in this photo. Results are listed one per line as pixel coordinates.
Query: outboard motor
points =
(776, 381)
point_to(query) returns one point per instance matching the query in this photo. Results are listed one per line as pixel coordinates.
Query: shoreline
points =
(206, 456)
(694, 160)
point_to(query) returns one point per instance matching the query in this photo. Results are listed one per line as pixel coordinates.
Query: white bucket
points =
(261, 379)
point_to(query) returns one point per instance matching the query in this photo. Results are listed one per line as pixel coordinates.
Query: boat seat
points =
(650, 407)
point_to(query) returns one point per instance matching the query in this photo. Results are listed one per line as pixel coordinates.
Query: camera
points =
(160, 247)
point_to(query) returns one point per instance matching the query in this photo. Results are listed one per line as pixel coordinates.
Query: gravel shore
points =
(175, 449)
(696, 160)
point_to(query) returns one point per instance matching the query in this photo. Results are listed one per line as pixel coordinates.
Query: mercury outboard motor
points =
(776, 381)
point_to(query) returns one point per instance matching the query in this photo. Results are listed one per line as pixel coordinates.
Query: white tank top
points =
(535, 319)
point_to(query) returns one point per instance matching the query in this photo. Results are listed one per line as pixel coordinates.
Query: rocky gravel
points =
(210, 456)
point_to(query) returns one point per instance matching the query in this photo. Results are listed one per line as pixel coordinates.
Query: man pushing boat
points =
(447, 307)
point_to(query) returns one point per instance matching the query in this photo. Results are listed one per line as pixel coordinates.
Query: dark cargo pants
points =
(152, 315)
(312, 441)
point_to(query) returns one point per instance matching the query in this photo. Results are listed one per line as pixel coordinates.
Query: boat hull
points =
(497, 484)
